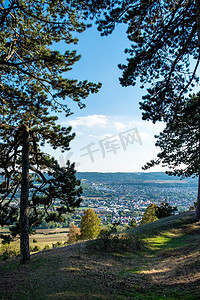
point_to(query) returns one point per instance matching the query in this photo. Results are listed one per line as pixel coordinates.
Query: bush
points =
(56, 245)
(165, 210)
(34, 241)
(74, 234)
(133, 223)
(118, 243)
(8, 252)
(110, 240)
(46, 247)
(35, 248)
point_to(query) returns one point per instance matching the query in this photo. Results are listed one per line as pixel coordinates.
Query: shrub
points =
(74, 234)
(133, 223)
(57, 244)
(110, 240)
(46, 247)
(165, 210)
(8, 252)
(34, 241)
(35, 248)
(117, 243)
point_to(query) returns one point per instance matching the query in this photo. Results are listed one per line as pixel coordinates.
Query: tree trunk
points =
(197, 212)
(24, 208)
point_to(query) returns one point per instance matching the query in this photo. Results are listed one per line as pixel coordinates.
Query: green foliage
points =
(110, 241)
(90, 225)
(66, 219)
(34, 248)
(7, 251)
(133, 223)
(157, 31)
(149, 214)
(26, 54)
(165, 210)
(34, 241)
(46, 247)
(109, 230)
(57, 244)
(179, 141)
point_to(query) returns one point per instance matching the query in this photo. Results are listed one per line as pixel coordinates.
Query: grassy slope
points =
(162, 261)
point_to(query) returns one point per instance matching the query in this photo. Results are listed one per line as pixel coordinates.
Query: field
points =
(43, 238)
(160, 260)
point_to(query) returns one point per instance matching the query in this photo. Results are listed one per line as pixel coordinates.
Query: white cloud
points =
(101, 137)
(106, 136)
(119, 126)
(90, 121)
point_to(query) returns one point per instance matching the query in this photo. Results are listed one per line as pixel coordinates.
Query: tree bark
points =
(197, 212)
(24, 208)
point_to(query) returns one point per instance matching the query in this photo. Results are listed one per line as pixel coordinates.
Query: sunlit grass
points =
(157, 242)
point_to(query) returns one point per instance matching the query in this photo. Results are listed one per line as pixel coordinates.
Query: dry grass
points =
(44, 237)
(167, 267)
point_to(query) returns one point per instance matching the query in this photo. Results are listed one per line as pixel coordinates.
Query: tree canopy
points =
(149, 214)
(180, 142)
(90, 225)
(28, 31)
(164, 56)
(165, 40)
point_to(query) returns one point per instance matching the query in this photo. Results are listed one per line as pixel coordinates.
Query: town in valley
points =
(119, 197)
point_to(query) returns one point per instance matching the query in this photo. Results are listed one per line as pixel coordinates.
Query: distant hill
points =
(139, 177)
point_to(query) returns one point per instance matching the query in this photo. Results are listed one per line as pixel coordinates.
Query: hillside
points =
(160, 260)
(135, 177)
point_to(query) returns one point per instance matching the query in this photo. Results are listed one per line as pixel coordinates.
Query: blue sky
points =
(110, 134)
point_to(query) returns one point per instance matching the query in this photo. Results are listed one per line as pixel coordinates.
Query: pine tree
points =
(165, 38)
(90, 225)
(33, 90)
(180, 143)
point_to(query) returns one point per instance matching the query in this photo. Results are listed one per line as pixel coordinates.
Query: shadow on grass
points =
(161, 263)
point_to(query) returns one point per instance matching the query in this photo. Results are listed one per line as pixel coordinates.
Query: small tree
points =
(150, 214)
(165, 210)
(74, 233)
(133, 223)
(90, 225)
